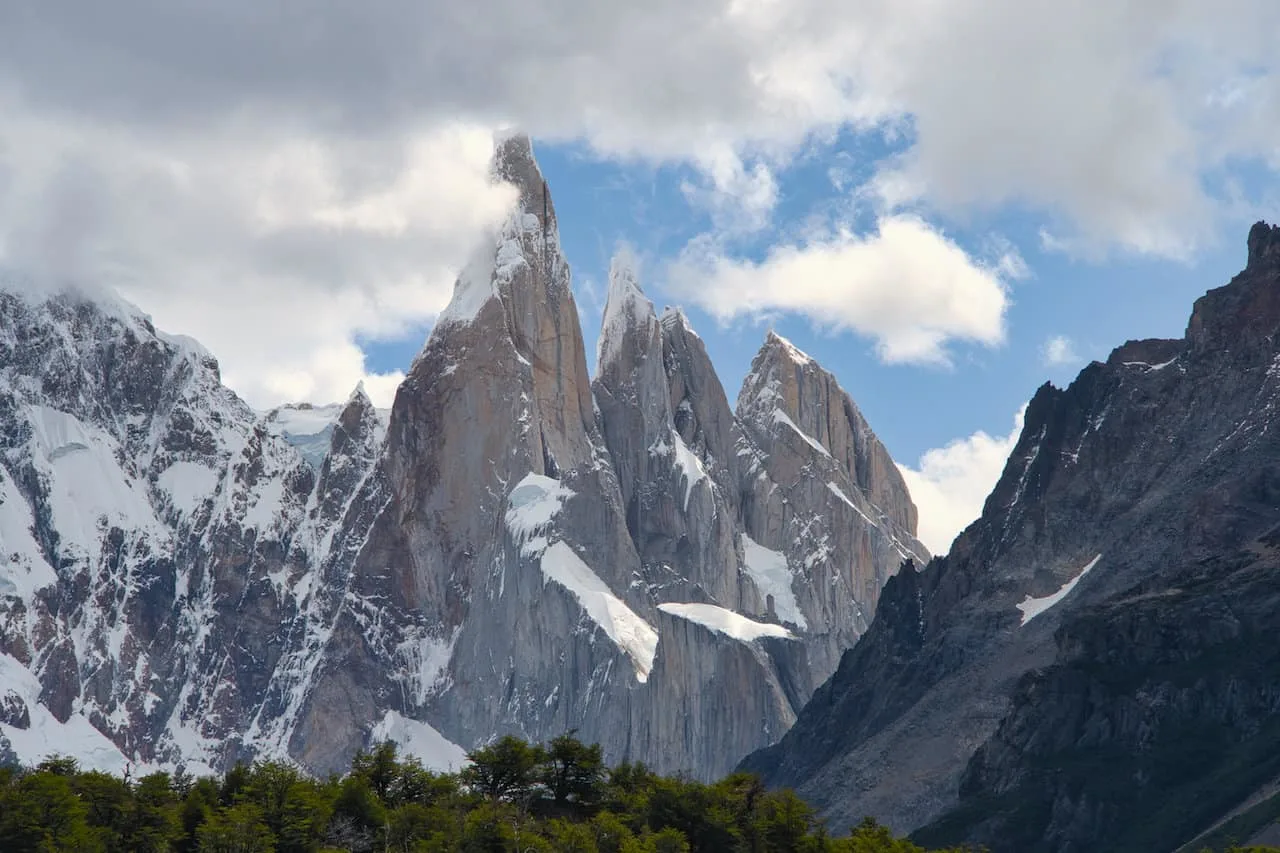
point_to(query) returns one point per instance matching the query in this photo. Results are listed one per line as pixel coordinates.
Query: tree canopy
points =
(512, 797)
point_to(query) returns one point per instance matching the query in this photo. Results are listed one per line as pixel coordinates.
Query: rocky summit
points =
(1093, 666)
(517, 546)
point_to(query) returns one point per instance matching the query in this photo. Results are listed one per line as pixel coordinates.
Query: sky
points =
(946, 202)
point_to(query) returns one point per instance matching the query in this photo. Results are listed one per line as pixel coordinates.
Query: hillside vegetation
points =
(513, 796)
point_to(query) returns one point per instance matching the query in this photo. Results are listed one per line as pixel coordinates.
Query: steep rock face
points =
(444, 591)
(678, 489)
(819, 488)
(1034, 689)
(516, 548)
(145, 513)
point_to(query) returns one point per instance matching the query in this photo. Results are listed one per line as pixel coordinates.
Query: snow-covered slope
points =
(517, 547)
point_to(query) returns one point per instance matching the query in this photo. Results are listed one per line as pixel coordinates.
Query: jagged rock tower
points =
(518, 547)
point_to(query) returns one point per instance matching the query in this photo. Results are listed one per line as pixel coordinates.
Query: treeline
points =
(513, 796)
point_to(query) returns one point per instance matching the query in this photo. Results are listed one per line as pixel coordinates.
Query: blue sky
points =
(1094, 303)
(929, 196)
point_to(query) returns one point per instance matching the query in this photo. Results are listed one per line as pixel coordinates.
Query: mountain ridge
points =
(500, 554)
(1148, 471)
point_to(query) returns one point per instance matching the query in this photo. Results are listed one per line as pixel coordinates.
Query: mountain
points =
(518, 546)
(1091, 666)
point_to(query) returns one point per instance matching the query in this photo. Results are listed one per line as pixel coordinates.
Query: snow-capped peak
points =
(786, 347)
(626, 308)
(673, 316)
(525, 241)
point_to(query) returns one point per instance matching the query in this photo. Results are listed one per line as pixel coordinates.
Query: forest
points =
(511, 797)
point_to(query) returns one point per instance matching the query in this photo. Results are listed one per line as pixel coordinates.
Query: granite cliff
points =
(517, 546)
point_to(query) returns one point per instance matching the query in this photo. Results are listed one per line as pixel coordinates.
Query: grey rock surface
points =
(517, 547)
(1053, 682)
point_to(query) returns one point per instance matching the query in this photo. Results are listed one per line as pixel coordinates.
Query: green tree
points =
(787, 823)
(871, 837)
(573, 773)
(380, 767)
(200, 801)
(233, 783)
(236, 829)
(155, 824)
(612, 835)
(267, 786)
(416, 784)
(489, 829)
(357, 801)
(669, 840)
(197, 804)
(505, 770)
(41, 813)
(59, 765)
(108, 803)
(304, 818)
(570, 837)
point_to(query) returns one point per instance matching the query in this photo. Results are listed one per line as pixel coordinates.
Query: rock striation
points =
(1086, 669)
(518, 546)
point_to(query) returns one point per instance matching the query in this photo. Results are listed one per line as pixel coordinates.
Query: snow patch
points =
(23, 567)
(267, 509)
(726, 622)
(473, 289)
(531, 507)
(46, 736)
(188, 484)
(308, 428)
(625, 308)
(87, 483)
(781, 418)
(769, 570)
(1152, 368)
(1033, 607)
(790, 349)
(675, 316)
(634, 636)
(421, 741)
(839, 492)
(690, 467)
(426, 663)
(302, 419)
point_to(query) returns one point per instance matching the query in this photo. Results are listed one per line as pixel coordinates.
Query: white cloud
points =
(1059, 351)
(739, 198)
(1098, 113)
(328, 177)
(950, 484)
(907, 287)
(1107, 114)
(276, 252)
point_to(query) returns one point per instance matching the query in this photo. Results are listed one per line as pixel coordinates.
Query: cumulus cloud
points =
(1107, 112)
(1059, 351)
(265, 247)
(739, 199)
(1103, 116)
(214, 151)
(907, 287)
(950, 484)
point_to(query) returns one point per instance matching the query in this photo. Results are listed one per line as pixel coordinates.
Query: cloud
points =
(907, 287)
(739, 198)
(1106, 113)
(319, 163)
(277, 253)
(950, 484)
(1059, 351)
(1100, 115)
